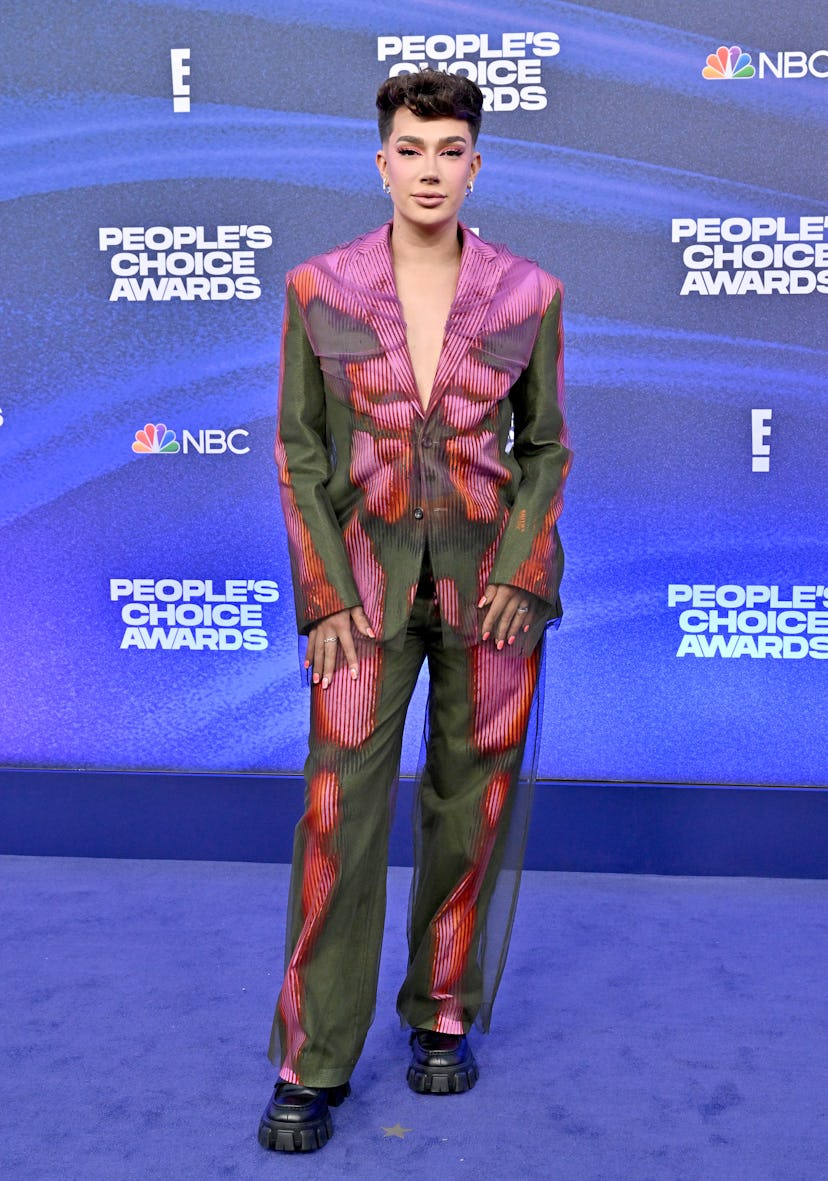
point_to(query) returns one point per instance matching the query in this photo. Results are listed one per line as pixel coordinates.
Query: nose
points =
(430, 174)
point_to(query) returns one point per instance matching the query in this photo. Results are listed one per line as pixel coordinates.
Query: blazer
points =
(368, 477)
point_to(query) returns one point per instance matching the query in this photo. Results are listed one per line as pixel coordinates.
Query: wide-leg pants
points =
(479, 706)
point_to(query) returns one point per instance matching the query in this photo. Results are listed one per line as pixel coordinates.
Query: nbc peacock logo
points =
(728, 63)
(155, 439)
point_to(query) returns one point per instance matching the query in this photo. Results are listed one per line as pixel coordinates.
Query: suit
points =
(373, 487)
(367, 475)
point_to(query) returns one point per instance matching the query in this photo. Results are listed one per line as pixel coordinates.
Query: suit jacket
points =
(367, 475)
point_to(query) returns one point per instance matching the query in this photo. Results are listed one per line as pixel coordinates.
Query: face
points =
(428, 164)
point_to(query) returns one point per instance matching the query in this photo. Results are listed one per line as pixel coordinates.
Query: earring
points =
(386, 188)
(470, 187)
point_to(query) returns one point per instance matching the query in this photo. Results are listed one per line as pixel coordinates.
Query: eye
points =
(406, 152)
(453, 152)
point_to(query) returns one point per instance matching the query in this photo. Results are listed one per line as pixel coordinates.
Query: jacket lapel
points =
(370, 273)
(481, 269)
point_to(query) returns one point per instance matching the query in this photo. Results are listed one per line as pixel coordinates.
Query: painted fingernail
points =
(482, 602)
(325, 682)
(526, 627)
(486, 635)
(511, 639)
(354, 672)
(307, 664)
(499, 645)
(371, 633)
(316, 678)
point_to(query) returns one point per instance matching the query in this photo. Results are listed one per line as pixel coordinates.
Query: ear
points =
(476, 165)
(382, 164)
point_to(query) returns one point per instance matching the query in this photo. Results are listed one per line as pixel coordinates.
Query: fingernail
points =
(499, 645)
(526, 627)
(486, 635)
(482, 602)
(307, 664)
(371, 633)
(354, 673)
(325, 682)
(316, 678)
(511, 639)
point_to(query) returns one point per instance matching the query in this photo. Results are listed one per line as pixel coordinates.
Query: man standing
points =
(411, 358)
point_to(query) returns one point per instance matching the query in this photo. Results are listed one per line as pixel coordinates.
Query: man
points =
(415, 532)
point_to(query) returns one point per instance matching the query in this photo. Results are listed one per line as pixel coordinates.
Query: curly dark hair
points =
(430, 94)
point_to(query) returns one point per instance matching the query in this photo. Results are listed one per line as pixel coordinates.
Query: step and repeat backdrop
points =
(164, 163)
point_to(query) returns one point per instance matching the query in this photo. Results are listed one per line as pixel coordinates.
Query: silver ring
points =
(522, 610)
(330, 640)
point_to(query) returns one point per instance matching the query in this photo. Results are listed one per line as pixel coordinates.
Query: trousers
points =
(480, 701)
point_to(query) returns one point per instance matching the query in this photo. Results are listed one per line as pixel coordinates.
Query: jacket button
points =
(426, 442)
(418, 514)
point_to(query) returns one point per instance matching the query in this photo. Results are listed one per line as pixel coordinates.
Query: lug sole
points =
(306, 1138)
(442, 1082)
(302, 1135)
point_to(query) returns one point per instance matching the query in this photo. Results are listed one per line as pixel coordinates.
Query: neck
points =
(432, 246)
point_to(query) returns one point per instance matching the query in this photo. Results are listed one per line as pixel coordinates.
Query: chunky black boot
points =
(441, 1063)
(297, 1118)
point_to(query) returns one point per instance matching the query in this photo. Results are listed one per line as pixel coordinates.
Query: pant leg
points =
(336, 908)
(479, 709)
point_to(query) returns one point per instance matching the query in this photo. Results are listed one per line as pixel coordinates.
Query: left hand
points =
(511, 612)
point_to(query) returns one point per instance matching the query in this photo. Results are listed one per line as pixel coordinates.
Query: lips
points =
(429, 198)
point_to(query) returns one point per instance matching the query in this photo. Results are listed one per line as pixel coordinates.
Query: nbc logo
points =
(728, 63)
(158, 439)
(155, 439)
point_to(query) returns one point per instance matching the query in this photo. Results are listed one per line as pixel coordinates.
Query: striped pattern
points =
(454, 924)
(488, 559)
(476, 474)
(361, 555)
(503, 684)
(368, 476)
(382, 468)
(358, 454)
(501, 690)
(318, 594)
(345, 712)
(320, 825)
(534, 571)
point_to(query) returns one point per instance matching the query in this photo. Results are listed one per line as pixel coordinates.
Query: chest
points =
(426, 304)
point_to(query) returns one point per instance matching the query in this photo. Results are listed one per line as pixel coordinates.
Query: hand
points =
(511, 611)
(330, 634)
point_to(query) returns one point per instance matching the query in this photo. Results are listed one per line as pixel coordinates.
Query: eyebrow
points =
(415, 139)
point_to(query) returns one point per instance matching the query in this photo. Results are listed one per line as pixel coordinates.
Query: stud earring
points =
(470, 187)
(386, 188)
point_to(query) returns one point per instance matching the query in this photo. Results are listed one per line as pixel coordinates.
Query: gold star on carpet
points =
(398, 1130)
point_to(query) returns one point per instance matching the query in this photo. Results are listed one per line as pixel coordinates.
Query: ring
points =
(522, 610)
(330, 640)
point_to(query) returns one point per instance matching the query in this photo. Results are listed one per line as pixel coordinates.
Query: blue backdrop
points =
(145, 597)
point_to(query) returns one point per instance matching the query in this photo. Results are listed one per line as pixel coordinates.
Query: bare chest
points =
(426, 307)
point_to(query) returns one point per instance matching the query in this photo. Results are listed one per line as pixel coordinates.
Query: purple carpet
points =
(647, 1029)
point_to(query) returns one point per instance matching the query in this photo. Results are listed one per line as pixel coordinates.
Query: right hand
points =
(330, 634)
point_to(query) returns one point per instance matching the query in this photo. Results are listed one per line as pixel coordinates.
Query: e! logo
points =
(181, 89)
(760, 429)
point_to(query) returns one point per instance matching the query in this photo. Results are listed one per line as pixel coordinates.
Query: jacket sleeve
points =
(322, 578)
(530, 555)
